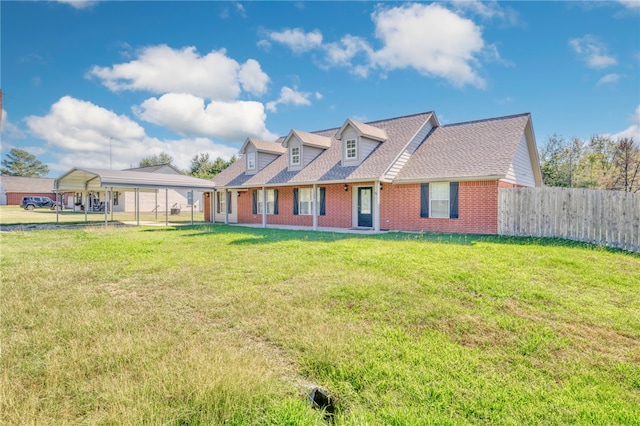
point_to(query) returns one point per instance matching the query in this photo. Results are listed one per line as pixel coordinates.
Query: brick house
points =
(407, 173)
(13, 188)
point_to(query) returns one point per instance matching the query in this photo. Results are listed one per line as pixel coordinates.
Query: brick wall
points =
(338, 208)
(400, 209)
(477, 209)
(15, 198)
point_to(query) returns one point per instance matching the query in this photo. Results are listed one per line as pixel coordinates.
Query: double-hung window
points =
(251, 161)
(439, 200)
(295, 156)
(272, 201)
(303, 201)
(351, 149)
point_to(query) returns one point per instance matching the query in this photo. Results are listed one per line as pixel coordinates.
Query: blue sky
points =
(105, 84)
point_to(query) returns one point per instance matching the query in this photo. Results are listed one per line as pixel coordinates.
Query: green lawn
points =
(229, 325)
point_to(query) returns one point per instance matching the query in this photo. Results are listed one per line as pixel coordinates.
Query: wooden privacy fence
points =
(610, 218)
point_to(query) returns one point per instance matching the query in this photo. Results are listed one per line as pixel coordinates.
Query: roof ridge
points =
(371, 122)
(504, 117)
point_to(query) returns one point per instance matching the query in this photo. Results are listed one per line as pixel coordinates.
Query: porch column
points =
(156, 204)
(264, 207)
(138, 206)
(314, 209)
(376, 207)
(57, 206)
(212, 197)
(166, 207)
(106, 208)
(86, 205)
(192, 203)
(111, 204)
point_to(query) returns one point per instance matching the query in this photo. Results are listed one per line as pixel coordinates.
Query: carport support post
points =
(166, 207)
(86, 206)
(106, 208)
(57, 206)
(111, 204)
(314, 197)
(138, 206)
(156, 209)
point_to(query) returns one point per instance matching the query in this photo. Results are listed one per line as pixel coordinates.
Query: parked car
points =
(30, 203)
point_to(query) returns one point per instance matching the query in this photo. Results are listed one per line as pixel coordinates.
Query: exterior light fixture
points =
(346, 187)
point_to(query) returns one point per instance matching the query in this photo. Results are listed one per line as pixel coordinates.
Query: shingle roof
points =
(264, 146)
(312, 139)
(474, 149)
(27, 184)
(366, 130)
(327, 166)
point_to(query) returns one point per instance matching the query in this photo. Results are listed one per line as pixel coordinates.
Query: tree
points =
(156, 159)
(202, 166)
(626, 166)
(560, 159)
(20, 163)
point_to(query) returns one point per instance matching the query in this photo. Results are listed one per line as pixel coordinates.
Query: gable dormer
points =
(303, 148)
(358, 141)
(258, 154)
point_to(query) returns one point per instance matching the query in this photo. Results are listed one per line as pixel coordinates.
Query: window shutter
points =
(218, 202)
(424, 200)
(453, 200)
(275, 201)
(254, 204)
(322, 201)
(295, 201)
(229, 202)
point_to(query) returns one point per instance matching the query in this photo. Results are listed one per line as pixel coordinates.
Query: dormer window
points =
(251, 161)
(295, 156)
(352, 149)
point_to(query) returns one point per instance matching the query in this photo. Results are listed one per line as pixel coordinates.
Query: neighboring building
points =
(150, 200)
(407, 173)
(13, 188)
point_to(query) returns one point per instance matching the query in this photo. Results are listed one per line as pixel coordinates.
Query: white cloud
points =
(187, 115)
(431, 39)
(85, 133)
(79, 4)
(8, 129)
(486, 9)
(630, 4)
(608, 79)
(290, 96)
(632, 131)
(252, 78)
(428, 38)
(593, 51)
(161, 69)
(297, 40)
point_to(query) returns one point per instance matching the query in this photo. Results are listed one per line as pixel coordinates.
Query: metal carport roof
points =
(81, 179)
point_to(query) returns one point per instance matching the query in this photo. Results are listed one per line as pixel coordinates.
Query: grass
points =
(231, 325)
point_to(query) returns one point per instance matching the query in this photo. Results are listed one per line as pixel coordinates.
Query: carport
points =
(84, 180)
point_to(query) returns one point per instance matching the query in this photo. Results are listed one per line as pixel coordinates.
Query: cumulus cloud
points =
(297, 40)
(431, 39)
(8, 129)
(630, 4)
(290, 96)
(188, 115)
(86, 134)
(632, 131)
(161, 69)
(593, 51)
(608, 79)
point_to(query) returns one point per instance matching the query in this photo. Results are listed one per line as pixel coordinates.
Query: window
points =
(115, 198)
(351, 149)
(439, 200)
(303, 203)
(190, 198)
(251, 160)
(295, 155)
(272, 201)
(221, 202)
